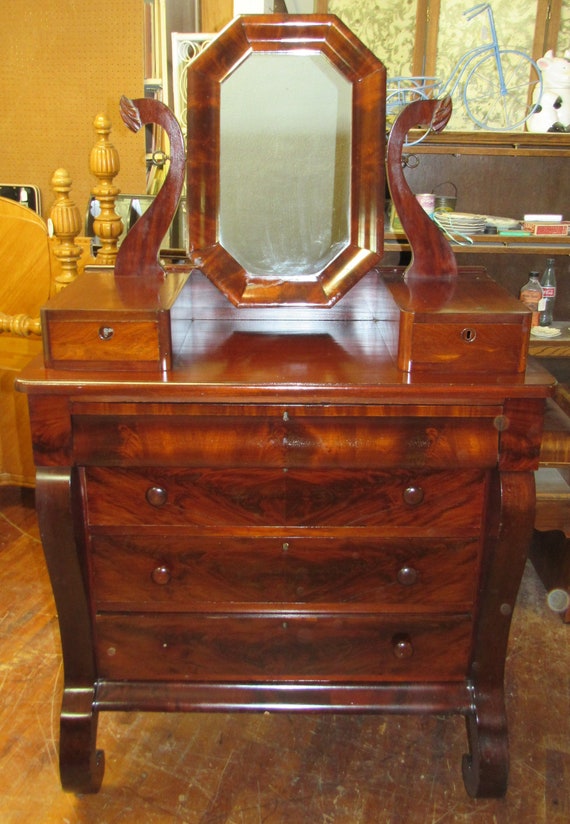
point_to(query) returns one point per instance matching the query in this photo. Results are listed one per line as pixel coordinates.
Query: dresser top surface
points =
(292, 354)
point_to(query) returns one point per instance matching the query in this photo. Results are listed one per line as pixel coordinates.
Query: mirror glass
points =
(274, 222)
(285, 147)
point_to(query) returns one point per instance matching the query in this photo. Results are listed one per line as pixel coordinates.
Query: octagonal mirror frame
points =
(287, 35)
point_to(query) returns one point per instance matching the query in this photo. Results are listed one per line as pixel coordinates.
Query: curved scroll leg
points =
(81, 764)
(486, 768)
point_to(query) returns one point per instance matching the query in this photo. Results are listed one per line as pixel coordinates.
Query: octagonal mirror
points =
(285, 145)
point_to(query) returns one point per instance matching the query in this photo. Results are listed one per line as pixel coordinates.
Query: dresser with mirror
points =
(281, 477)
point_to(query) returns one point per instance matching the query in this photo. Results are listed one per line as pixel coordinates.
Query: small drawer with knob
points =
(444, 328)
(467, 346)
(264, 648)
(169, 572)
(93, 324)
(108, 344)
(444, 503)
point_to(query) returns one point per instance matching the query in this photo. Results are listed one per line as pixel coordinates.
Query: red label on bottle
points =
(549, 291)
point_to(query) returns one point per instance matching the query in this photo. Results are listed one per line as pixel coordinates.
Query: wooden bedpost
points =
(104, 164)
(66, 222)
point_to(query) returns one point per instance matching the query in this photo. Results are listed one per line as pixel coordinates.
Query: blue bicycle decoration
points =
(497, 84)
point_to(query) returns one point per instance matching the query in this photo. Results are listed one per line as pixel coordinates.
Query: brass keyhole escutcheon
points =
(106, 332)
(468, 335)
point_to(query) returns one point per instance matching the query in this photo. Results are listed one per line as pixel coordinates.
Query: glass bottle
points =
(546, 305)
(531, 295)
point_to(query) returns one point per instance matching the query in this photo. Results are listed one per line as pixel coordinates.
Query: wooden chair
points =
(26, 283)
(35, 267)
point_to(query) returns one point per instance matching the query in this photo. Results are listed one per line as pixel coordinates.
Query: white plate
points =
(503, 223)
(545, 332)
(465, 215)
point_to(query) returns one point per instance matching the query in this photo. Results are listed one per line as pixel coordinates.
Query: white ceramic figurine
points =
(552, 111)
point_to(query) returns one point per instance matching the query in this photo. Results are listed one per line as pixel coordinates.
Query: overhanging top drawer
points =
(183, 435)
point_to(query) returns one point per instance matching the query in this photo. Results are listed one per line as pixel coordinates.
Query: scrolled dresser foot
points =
(486, 767)
(81, 764)
(83, 776)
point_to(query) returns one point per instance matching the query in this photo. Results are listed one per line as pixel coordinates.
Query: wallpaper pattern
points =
(387, 28)
(564, 32)
(515, 22)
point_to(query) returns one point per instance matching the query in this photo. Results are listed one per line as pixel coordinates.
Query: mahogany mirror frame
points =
(287, 34)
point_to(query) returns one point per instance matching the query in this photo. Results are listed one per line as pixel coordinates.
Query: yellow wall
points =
(63, 62)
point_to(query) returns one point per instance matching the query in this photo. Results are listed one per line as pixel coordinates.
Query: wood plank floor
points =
(267, 768)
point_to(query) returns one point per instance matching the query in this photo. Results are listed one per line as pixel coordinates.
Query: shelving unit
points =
(494, 245)
(502, 174)
(510, 144)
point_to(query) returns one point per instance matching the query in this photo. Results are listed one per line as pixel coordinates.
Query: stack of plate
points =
(463, 223)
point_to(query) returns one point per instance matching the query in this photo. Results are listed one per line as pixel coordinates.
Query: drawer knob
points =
(413, 495)
(402, 646)
(161, 575)
(106, 332)
(156, 495)
(407, 576)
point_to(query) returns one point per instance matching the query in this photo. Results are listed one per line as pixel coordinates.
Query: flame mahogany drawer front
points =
(216, 498)
(265, 648)
(284, 437)
(175, 573)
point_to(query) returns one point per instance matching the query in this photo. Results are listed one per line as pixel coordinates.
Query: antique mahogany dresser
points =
(282, 477)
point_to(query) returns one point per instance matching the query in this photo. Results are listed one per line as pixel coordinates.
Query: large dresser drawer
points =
(158, 573)
(275, 437)
(285, 647)
(303, 498)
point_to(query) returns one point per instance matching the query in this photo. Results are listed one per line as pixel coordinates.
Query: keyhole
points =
(469, 335)
(106, 332)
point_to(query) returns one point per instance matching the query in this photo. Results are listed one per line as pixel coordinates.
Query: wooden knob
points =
(407, 576)
(156, 495)
(161, 575)
(402, 646)
(413, 495)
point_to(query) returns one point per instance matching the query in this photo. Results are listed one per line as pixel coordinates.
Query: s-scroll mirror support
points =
(138, 254)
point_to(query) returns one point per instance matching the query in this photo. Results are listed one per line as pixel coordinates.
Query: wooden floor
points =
(267, 768)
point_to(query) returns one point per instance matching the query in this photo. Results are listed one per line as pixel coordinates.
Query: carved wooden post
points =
(21, 326)
(66, 226)
(104, 164)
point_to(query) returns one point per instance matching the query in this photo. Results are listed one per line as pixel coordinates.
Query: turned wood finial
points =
(66, 221)
(104, 164)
